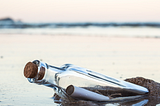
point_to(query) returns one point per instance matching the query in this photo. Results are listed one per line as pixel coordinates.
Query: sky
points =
(81, 10)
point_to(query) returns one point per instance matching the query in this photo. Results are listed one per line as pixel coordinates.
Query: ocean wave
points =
(9, 23)
(147, 29)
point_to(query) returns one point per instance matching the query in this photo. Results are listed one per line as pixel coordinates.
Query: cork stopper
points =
(30, 70)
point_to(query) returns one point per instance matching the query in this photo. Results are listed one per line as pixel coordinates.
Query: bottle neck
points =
(51, 73)
(46, 73)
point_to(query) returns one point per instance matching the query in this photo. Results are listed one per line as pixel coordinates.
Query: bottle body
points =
(80, 77)
(70, 74)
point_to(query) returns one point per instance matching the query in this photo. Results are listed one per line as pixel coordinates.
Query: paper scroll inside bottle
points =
(81, 93)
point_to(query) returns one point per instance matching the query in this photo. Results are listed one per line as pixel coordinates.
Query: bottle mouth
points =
(35, 70)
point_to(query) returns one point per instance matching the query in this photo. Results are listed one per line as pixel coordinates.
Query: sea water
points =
(146, 29)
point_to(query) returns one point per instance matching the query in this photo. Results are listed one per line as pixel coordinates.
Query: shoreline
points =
(5, 37)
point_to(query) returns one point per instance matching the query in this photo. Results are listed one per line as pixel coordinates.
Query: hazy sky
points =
(81, 10)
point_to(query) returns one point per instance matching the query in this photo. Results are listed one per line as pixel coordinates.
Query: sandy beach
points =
(119, 57)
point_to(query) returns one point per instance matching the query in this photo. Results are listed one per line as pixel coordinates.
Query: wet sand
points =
(117, 57)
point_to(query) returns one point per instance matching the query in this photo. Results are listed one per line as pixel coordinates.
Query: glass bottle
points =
(69, 74)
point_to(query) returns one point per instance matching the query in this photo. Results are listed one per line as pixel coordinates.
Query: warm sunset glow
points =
(81, 10)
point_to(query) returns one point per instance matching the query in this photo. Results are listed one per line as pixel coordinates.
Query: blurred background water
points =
(132, 29)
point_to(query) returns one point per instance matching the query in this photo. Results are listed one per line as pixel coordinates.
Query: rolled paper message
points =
(81, 93)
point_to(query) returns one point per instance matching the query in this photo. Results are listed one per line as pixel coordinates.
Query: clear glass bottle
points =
(69, 74)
